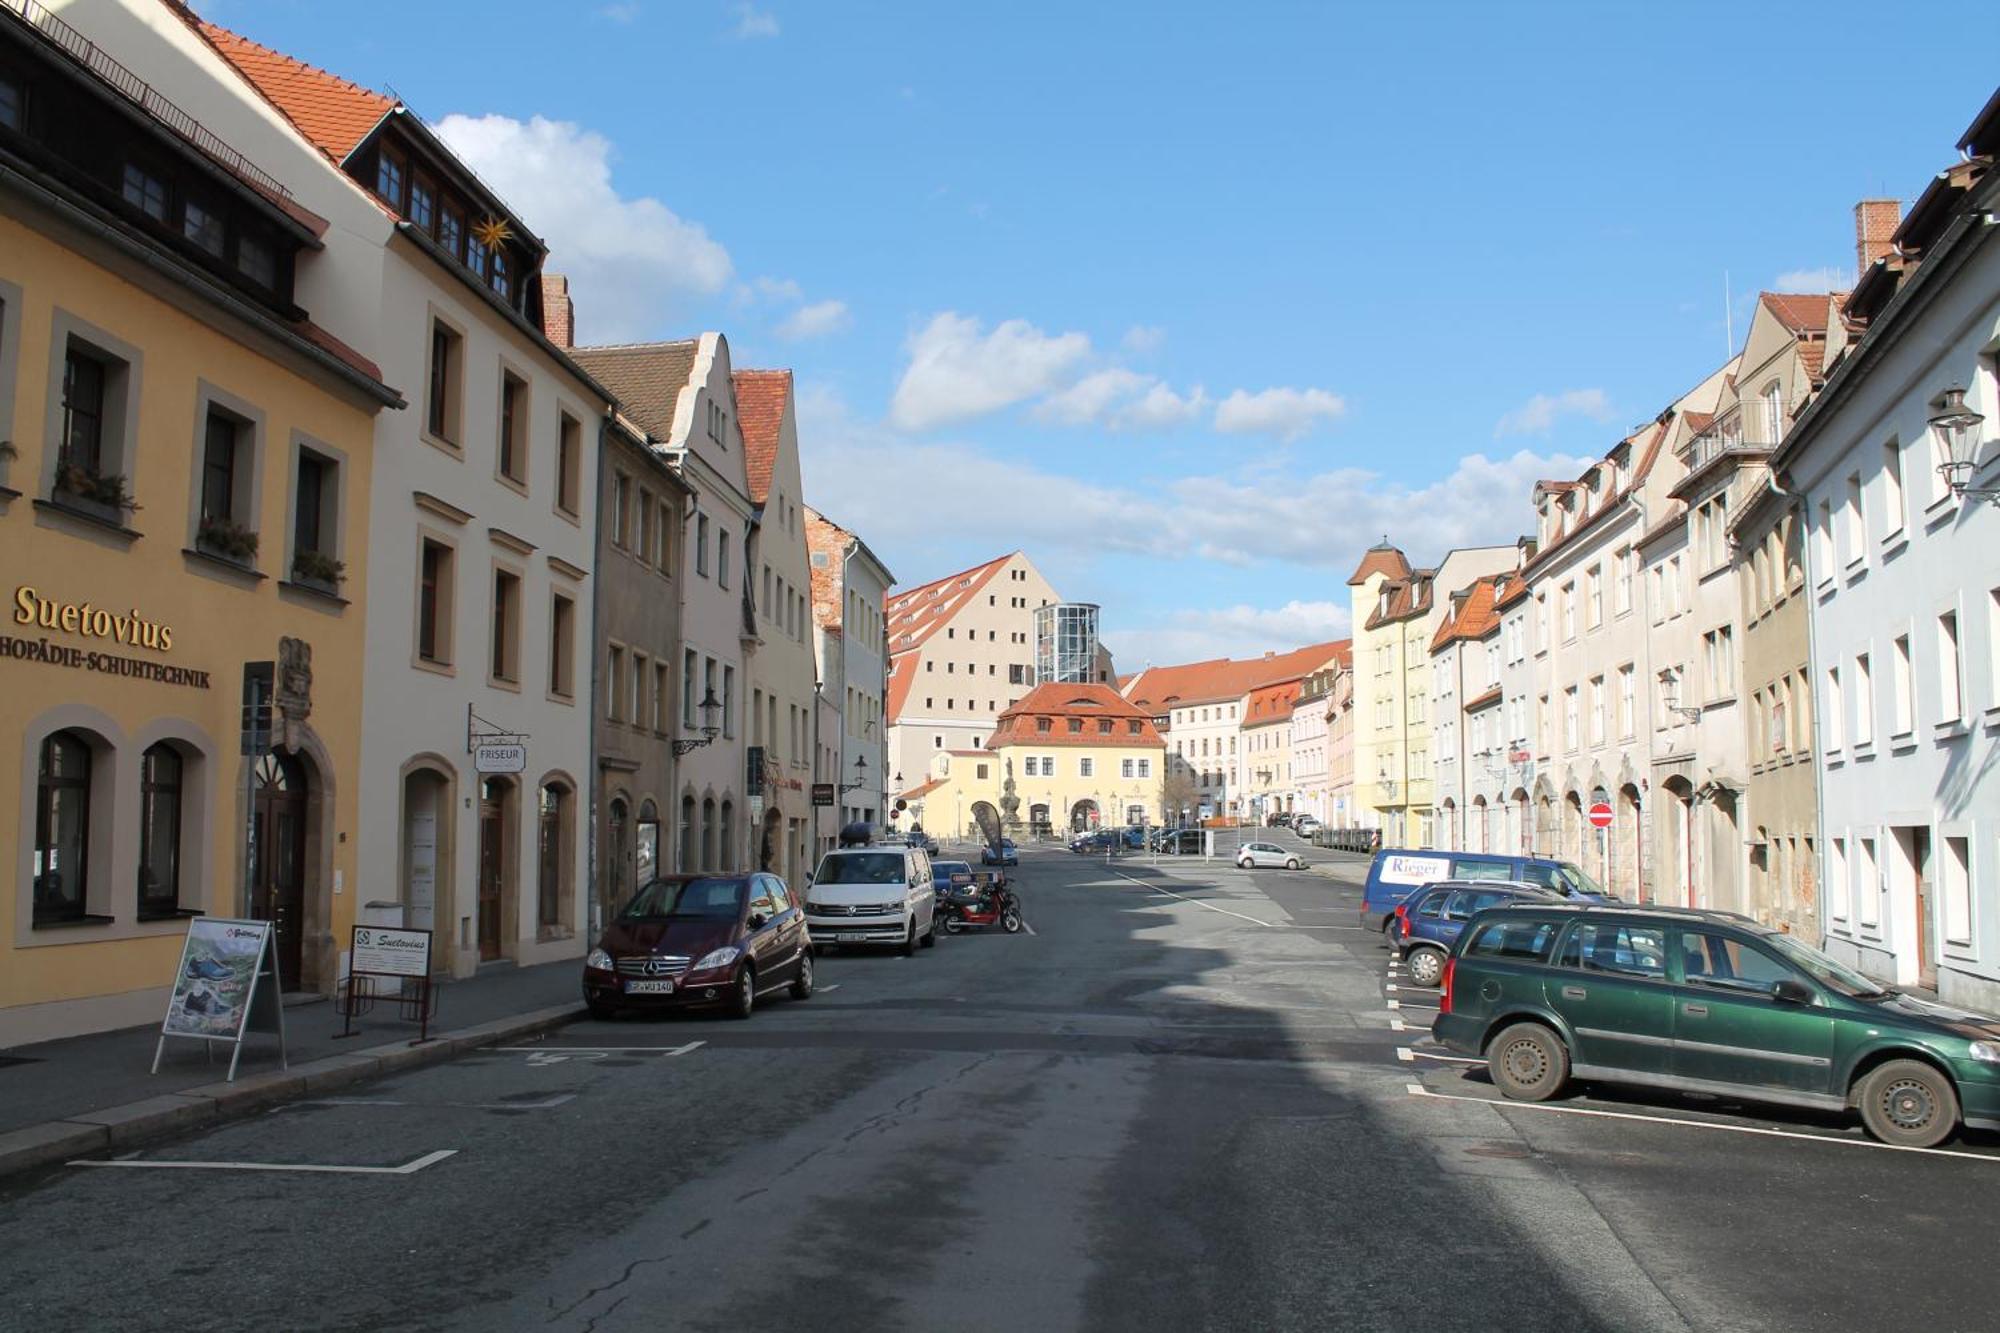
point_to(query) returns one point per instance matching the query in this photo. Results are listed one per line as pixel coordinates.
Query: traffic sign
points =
(1600, 814)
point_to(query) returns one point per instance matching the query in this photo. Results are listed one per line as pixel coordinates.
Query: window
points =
(499, 278)
(506, 663)
(1867, 882)
(423, 203)
(1527, 940)
(1903, 687)
(1632, 951)
(569, 463)
(1624, 563)
(1836, 716)
(389, 179)
(1569, 611)
(728, 698)
(513, 428)
(701, 544)
(1853, 535)
(441, 398)
(562, 646)
(316, 520)
(660, 688)
(159, 832)
(641, 676)
(203, 226)
(689, 665)
(614, 682)
(145, 192)
(82, 444)
(1837, 886)
(434, 600)
(62, 828)
(1594, 593)
(1719, 661)
(1957, 890)
(722, 559)
(10, 104)
(255, 261)
(1718, 962)
(224, 455)
(621, 509)
(1030, 767)
(1597, 710)
(1085, 768)
(644, 550)
(1892, 489)
(663, 552)
(1951, 690)
(1864, 701)
(1627, 718)
(451, 231)
(551, 828)
(1571, 731)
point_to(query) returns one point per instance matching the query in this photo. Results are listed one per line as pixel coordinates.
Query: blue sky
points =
(1191, 302)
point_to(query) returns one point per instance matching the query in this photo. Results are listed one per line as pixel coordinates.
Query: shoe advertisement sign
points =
(218, 973)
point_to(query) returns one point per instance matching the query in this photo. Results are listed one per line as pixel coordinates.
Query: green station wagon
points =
(1709, 1002)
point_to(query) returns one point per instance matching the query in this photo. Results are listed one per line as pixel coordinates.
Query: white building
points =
(1904, 580)
(850, 586)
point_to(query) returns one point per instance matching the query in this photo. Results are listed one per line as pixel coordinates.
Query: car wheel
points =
(930, 936)
(1242, 863)
(601, 1011)
(1292, 864)
(1908, 1104)
(1528, 1062)
(1426, 966)
(743, 995)
(802, 985)
(909, 945)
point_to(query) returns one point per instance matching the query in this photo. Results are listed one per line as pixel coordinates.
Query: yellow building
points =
(184, 465)
(1064, 757)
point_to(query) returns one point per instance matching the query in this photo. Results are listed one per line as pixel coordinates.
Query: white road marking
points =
(547, 1104)
(1395, 1004)
(1407, 1005)
(1397, 1025)
(826, 990)
(1390, 986)
(1449, 1059)
(1419, 1090)
(599, 1052)
(409, 1168)
(1196, 901)
(1030, 929)
(1405, 1054)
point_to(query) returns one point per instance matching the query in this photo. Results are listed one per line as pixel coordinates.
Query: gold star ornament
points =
(492, 233)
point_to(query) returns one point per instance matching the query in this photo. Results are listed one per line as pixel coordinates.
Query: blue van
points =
(1398, 872)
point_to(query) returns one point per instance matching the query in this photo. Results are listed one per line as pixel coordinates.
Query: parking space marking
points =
(546, 1104)
(1419, 1090)
(826, 990)
(1408, 1005)
(409, 1168)
(1196, 901)
(1407, 1053)
(1396, 1025)
(558, 1054)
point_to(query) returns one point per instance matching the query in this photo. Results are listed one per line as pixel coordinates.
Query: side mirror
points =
(758, 921)
(1792, 991)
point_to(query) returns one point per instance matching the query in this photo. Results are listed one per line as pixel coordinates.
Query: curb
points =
(171, 1113)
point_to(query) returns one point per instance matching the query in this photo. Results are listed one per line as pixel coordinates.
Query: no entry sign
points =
(1600, 814)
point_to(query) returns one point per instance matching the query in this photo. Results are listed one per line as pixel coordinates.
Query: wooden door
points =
(278, 858)
(1920, 869)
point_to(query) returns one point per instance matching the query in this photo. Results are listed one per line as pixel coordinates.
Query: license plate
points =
(850, 937)
(649, 987)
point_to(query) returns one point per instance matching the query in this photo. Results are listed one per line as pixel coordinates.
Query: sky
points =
(1190, 302)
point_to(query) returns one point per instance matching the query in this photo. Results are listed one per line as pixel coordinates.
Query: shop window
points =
(441, 407)
(160, 784)
(562, 646)
(435, 588)
(513, 428)
(316, 521)
(569, 463)
(62, 829)
(505, 663)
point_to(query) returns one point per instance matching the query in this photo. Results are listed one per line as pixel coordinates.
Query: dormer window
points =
(423, 204)
(256, 262)
(145, 192)
(499, 277)
(389, 180)
(203, 227)
(451, 230)
(475, 256)
(10, 103)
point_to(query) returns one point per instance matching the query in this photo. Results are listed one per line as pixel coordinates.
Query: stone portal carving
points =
(294, 690)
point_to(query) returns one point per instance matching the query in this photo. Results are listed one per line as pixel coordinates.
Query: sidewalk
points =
(83, 1094)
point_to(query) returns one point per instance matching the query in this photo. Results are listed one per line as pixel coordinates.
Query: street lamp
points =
(860, 774)
(711, 726)
(1957, 427)
(1670, 696)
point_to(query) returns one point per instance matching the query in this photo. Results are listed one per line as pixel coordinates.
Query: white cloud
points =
(1538, 415)
(752, 23)
(1091, 397)
(628, 260)
(957, 372)
(1827, 279)
(775, 289)
(1144, 339)
(1160, 407)
(1283, 412)
(815, 321)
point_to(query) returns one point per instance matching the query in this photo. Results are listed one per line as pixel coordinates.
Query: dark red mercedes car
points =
(685, 940)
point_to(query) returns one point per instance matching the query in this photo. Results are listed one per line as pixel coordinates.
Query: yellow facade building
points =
(1064, 757)
(184, 467)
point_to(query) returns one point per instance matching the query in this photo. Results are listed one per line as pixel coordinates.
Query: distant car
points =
(1180, 842)
(950, 874)
(1133, 838)
(1008, 855)
(1095, 841)
(685, 940)
(1303, 824)
(1282, 819)
(1266, 855)
(1429, 921)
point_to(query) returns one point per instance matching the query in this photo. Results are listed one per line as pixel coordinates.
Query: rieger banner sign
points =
(382, 952)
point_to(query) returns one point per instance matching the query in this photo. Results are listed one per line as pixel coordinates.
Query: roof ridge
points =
(208, 27)
(636, 347)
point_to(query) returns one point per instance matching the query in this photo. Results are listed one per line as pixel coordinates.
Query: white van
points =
(873, 895)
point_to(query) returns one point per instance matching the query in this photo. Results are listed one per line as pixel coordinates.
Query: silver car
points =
(1263, 855)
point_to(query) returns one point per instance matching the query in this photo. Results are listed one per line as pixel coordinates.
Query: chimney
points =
(1875, 221)
(558, 314)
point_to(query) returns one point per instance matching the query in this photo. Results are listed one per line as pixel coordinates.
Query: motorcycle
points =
(979, 906)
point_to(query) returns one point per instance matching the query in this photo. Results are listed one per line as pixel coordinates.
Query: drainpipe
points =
(592, 869)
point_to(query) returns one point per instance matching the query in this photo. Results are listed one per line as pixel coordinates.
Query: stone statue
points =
(1010, 804)
(293, 689)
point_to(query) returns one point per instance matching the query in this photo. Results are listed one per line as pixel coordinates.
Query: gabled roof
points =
(923, 789)
(1271, 703)
(1089, 704)
(916, 615)
(334, 115)
(902, 675)
(1381, 558)
(1801, 312)
(1645, 444)
(1158, 689)
(646, 377)
(761, 396)
(1471, 617)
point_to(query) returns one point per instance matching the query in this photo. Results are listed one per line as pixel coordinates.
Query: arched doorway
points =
(278, 856)
(646, 845)
(1677, 848)
(1480, 834)
(771, 841)
(1520, 835)
(1725, 851)
(1083, 816)
(1448, 815)
(1630, 842)
(685, 863)
(1038, 819)
(617, 877)
(553, 843)
(1571, 845)
(499, 816)
(426, 859)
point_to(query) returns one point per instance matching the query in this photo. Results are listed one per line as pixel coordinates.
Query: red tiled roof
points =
(1812, 358)
(1485, 700)
(1653, 436)
(924, 789)
(761, 396)
(902, 675)
(1090, 704)
(914, 616)
(1381, 559)
(1271, 703)
(333, 114)
(1157, 689)
(335, 348)
(1472, 618)
(1698, 421)
(646, 377)
(1800, 312)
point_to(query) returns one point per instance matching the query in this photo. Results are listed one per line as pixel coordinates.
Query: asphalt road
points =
(1184, 1102)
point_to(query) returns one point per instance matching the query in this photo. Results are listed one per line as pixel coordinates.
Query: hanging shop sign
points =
(498, 757)
(228, 971)
(822, 793)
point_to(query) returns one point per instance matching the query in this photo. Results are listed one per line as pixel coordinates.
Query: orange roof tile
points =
(1471, 618)
(1381, 558)
(913, 617)
(761, 396)
(1089, 705)
(902, 675)
(1799, 311)
(1271, 703)
(333, 114)
(1485, 700)
(1158, 689)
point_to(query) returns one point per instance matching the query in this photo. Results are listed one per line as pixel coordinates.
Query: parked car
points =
(683, 940)
(1007, 855)
(1396, 873)
(1278, 819)
(1133, 838)
(1261, 855)
(1303, 824)
(1709, 1002)
(1180, 842)
(873, 895)
(1428, 922)
(949, 875)
(1095, 841)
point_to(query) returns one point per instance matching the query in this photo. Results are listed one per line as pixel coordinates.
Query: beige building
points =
(961, 651)
(1340, 796)
(1267, 749)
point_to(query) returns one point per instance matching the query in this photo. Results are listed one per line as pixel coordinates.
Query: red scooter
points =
(981, 905)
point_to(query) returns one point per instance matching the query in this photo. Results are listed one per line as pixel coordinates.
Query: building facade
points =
(1267, 749)
(183, 497)
(850, 586)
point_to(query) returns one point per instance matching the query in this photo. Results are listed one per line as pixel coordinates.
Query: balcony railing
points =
(140, 93)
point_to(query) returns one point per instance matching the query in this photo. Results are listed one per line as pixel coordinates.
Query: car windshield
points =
(945, 869)
(1823, 969)
(719, 899)
(863, 868)
(1578, 882)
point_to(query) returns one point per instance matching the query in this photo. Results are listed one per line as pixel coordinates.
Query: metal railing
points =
(140, 93)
